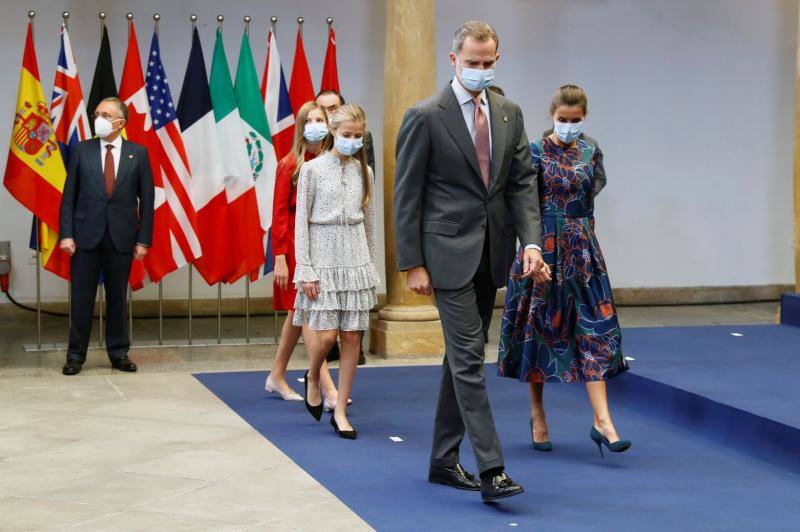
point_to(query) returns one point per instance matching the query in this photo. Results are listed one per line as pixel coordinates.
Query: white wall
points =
(691, 101)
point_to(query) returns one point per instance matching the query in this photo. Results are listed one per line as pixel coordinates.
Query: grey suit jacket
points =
(442, 210)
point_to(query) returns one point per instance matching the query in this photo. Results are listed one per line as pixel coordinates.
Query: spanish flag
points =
(35, 172)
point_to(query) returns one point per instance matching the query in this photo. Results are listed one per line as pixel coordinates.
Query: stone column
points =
(409, 323)
(796, 169)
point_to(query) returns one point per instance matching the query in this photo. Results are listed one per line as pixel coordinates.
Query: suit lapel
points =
(499, 120)
(96, 164)
(125, 161)
(453, 120)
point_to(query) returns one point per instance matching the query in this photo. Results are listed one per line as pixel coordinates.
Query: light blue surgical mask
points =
(476, 79)
(566, 132)
(314, 132)
(347, 147)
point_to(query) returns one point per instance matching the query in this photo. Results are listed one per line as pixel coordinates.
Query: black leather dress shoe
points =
(499, 487)
(453, 476)
(72, 367)
(123, 364)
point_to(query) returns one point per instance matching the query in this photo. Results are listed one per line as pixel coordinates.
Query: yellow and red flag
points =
(35, 172)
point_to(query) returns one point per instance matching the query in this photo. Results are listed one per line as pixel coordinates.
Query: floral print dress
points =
(565, 330)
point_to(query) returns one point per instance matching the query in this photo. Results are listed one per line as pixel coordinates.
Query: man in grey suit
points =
(464, 167)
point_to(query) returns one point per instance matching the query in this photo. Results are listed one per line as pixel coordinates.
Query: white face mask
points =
(315, 132)
(566, 132)
(348, 147)
(103, 127)
(475, 79)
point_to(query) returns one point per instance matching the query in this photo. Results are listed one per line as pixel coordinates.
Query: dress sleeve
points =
(599, 170)
(280, 207)
(369, 220)
(304, 272)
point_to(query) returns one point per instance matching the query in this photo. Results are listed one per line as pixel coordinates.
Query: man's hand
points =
(419, 281)
(533, 266)
(68, 246)
(281, 272)
(139, 252)
(311, 290)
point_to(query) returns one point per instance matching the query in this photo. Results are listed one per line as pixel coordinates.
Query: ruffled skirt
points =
(347, 279)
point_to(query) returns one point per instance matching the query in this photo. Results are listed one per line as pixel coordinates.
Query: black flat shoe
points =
(543, 446)
(616, 447)
(456, 477)
(71, 368)
(346, 434)
(361, 358)
(315, 411)
(499, 487)
(124, 364)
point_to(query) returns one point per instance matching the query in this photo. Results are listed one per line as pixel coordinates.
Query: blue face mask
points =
(567, 133)
(347, 147)
(314, 132)
(475, 79)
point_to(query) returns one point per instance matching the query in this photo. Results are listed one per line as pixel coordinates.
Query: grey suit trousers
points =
(463, 401)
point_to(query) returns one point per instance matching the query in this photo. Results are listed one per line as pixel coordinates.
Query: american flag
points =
(174, 165)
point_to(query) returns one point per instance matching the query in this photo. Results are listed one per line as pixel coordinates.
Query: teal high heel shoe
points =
(544, 446)
(616, 447)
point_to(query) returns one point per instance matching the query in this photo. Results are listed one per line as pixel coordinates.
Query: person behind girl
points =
(335, 251)
(310, 139)
(565, 330)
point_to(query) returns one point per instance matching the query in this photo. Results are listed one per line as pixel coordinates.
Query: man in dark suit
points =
(463, 168)
(106, 221)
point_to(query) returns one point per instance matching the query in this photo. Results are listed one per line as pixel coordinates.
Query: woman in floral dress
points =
(565, 330)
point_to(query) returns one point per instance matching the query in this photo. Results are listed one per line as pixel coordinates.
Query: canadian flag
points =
(301, 88)
(330, 74)
(173, 240)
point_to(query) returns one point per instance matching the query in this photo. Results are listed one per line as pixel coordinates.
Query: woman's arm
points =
(304, 272)
(369, 222)
(599, 170)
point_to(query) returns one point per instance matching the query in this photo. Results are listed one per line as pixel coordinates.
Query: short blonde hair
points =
(478, 30)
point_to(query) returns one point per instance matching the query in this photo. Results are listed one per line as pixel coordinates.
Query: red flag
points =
(301, 88)
(139, 129)
(330, 74)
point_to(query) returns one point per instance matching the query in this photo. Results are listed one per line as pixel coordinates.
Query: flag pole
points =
(130, 314)
(100, 314)
(220, 19)
(247, 19)
(65, 18)
(300, 21)
(102, 16)
(160, 313)
(273, 23)
(38, 260)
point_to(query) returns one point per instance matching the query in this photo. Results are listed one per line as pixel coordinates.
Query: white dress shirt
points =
(465, 101)
(115, 152)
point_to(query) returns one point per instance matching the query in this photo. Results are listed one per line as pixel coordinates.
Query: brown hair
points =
(569, 95)
(478, 30)
(299, 144)
(123, 109)
(353, 113)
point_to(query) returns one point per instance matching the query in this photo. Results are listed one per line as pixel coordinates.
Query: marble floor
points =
(157, 451)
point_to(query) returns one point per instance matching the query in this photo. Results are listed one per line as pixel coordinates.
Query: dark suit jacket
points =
(86, 209)
(442, 210)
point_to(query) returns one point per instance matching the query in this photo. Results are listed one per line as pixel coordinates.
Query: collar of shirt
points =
(117, 143)
(462, 95)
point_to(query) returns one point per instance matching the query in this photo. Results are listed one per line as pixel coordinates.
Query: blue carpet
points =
(671, 479)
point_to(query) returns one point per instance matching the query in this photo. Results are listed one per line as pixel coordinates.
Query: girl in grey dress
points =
(335, 252)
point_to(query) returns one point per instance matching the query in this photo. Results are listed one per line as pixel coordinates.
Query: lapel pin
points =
(505, 119)
(130, 156)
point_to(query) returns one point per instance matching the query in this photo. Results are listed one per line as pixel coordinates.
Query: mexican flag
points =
(258, 140)
(248, 233)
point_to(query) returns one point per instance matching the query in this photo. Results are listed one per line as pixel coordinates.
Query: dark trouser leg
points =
(116, 269)
(485, 293)
(463, 401)
(84, 268)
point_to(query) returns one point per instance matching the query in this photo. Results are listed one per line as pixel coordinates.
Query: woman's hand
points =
(311, 290)
(281, 272)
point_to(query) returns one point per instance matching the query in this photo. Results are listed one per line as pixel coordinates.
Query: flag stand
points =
(160, 314)
(219, 313)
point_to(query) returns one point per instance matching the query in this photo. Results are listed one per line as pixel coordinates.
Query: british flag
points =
(175, 172)
(68, 109)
